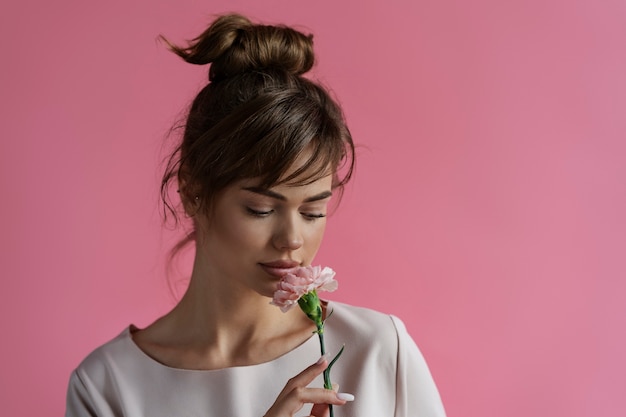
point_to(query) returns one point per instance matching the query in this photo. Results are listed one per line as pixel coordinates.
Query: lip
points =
(279, 267)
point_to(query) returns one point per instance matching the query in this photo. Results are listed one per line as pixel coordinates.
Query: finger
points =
(322, 396)
(293, 401)
(294, 394)
(307, 376)
(320, 410)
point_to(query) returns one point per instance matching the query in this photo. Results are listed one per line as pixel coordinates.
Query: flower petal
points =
(300, 281)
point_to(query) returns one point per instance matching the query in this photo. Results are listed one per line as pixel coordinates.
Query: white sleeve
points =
(416, 393)
(78, 403)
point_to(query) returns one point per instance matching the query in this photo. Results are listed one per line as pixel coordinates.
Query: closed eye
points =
(258, 213)
(313, 216)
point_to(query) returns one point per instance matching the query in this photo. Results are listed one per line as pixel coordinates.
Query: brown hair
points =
(256, 115)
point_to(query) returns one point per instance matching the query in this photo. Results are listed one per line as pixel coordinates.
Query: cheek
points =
(316, 234)
(234, 231)
(243, 234)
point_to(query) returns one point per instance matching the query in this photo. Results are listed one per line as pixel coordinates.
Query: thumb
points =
(320, 410)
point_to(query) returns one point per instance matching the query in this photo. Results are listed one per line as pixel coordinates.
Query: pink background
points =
(487, 210)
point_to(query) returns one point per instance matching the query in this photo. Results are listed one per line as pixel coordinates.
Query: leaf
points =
(335, 358)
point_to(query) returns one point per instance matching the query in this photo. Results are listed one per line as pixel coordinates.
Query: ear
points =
(189, 196)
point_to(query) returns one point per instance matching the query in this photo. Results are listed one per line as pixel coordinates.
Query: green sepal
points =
(310, 304)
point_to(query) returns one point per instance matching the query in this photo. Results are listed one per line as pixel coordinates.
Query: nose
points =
(288, 235)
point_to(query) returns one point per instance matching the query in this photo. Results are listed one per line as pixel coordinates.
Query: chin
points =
(267, 292)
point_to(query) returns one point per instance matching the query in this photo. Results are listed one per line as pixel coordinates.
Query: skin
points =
(225, 319)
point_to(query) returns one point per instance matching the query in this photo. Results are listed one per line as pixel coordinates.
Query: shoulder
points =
(95, 382)
(114, 354)
(379, 346)
(368, 327)
(363, 319)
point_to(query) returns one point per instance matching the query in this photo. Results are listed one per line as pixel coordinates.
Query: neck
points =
(219, 315)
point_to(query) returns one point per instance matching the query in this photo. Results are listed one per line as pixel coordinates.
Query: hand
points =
(295, 394)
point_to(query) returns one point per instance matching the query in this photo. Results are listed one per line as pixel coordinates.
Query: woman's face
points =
(256, 235)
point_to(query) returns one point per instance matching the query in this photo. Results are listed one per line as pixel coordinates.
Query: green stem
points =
(327, 383)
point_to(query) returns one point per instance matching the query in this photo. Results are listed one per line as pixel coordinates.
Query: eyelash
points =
(262, 214)
(313, 217)
(258, 213)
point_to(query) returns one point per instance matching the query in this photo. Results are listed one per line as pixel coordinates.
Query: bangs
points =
(312, 164)
(285, 138)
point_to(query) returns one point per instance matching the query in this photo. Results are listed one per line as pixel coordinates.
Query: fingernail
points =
(344, 396)
(322, 358)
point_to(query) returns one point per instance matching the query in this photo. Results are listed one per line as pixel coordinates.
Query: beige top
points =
(381, 366)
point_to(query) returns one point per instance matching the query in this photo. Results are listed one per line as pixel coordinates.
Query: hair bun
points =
(232, 44)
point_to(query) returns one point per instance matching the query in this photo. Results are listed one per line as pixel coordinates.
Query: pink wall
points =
(487, 210)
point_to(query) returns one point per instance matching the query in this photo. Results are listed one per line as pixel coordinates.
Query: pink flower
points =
(300, 287)
(301, 281)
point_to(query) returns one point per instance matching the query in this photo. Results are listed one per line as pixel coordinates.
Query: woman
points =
(262, 153)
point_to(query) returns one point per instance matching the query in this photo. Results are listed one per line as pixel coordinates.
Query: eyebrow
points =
(272, 194)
